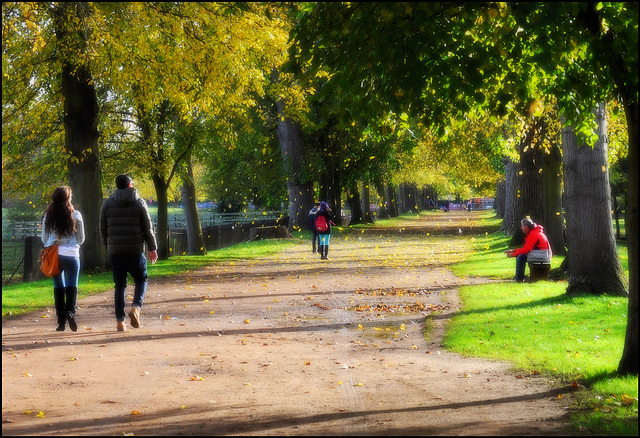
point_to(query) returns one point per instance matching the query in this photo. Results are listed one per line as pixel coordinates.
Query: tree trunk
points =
(529, 193)
(593, 264)
(195, 237)
(299, 182)
(553, 219)
(81, 132)
(392, 196)
(629, 362)
(383, 208)
(366, 203)
(510, 220)
(162, 226)
(499, 198)
(353, 198)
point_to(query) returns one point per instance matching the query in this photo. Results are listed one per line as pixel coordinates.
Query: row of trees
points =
(370, 93)
(443, 61)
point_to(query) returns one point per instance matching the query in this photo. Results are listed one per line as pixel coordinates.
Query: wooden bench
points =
(538, 271)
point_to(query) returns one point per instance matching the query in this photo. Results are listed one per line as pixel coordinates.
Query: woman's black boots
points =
(61, 310)
(71, 294)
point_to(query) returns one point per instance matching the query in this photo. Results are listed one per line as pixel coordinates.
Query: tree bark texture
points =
(510, 220)
(81, 131)
(162, 226)
(629, 362)
(299, 184)
(593, 264)
(529, 195)
(195, 238)
(553, 218)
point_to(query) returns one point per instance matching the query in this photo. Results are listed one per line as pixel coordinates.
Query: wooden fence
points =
(215, 237)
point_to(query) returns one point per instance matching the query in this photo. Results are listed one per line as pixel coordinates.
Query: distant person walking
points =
(62, 223)
(535, 249)
(312, 226)
(324, 219)
(125, 226)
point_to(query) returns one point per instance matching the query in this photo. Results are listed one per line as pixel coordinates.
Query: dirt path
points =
(285, 345)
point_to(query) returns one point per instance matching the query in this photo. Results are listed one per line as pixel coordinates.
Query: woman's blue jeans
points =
(136, 265)
(69, 272)
(521, 265)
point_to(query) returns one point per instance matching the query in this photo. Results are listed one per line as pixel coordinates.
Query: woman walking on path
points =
(324, 219)
(62, 223)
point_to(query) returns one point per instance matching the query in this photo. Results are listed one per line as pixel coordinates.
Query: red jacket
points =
(535, 239)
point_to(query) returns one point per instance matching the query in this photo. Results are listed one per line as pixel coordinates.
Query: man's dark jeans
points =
(136, 265)
(521, 264)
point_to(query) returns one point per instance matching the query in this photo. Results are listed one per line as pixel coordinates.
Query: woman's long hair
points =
(59, 214)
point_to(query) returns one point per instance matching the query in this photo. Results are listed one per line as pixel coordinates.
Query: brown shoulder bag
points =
(49, 260)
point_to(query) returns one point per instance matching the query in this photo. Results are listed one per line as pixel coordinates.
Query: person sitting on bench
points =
(536, 248)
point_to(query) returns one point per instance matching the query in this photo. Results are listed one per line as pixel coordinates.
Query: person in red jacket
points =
(536, 248)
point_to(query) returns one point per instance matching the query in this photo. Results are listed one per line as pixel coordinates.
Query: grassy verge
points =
(23, 298)
(540, 329)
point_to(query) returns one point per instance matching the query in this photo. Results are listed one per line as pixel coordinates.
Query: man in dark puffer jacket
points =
(125, 226)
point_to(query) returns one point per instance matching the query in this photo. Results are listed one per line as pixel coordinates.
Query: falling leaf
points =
(40, 414)
(359, 384)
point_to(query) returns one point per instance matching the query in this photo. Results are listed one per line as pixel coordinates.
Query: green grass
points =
(18, 299)
(540, 329)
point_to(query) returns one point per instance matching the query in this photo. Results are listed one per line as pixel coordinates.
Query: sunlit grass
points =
(538, 328)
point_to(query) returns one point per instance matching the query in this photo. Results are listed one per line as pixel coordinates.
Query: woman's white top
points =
(69, 245)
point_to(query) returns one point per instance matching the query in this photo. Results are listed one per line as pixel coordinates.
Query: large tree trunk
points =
(299, 181)
(593, 264)
(529, 193)
(81, 132)
(553, 218)
(195, 237)
(629, 362)
(299, 185)
(510, 220)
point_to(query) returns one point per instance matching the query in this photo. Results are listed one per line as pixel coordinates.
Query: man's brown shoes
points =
(134, 314)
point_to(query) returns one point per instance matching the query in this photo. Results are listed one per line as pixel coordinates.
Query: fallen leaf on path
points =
(136, 413)
(627, 401)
